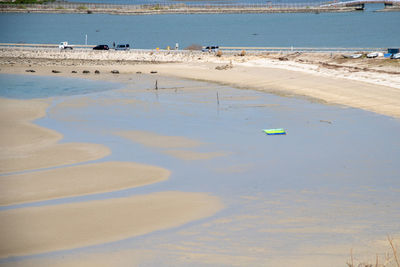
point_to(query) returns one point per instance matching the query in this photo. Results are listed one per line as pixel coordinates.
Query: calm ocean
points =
(355, 29)
(28, 86)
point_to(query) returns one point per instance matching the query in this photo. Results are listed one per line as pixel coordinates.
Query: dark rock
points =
(115, 71)
(283, 58)
(224, 67)
(56, 71)
(30, 71)
(138, 72)
(97, 71)
(74, 71)
(85, 71)
(153, 71)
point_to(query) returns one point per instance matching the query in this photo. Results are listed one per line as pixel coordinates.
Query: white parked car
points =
(65, 45)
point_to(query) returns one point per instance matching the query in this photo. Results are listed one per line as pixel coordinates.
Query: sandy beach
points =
(26, 146)
(78, 180)
(166, 149)
(52, 228)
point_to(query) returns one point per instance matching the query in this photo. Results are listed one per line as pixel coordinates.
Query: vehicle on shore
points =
(65, 45)
(353, 56)
(210, 49)
(101, 47)
(374, 55)
(122, 47)
(395, 56)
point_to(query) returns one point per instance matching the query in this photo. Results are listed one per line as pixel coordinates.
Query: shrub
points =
(194, 47)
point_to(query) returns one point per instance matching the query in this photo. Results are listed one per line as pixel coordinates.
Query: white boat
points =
(396, 56)
(374, 55)
(353, 56)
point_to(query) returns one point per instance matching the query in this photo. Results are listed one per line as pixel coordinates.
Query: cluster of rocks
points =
(96, 71)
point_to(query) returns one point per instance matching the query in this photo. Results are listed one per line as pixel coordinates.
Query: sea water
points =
(354, 29)
(29, 87)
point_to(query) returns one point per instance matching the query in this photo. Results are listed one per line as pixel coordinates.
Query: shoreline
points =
(48, 227)
(161, 10)
(79, 224)
(369, 84)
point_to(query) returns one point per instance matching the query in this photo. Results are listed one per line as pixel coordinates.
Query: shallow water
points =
(28, 87)
(333, 180)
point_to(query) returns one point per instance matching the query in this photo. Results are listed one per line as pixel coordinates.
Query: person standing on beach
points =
(114, 45)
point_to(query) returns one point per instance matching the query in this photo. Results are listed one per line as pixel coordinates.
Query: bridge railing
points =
(166, 5)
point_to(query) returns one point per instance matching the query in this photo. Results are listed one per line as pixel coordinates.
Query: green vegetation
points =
(156, 7)
(81, 8)
(20, 2)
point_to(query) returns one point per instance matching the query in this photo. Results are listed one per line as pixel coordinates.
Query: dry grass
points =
(390, 260)
(194, 47)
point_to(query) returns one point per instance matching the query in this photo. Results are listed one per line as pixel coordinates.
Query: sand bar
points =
(50, 228)
(159, 141)
(17, 130)
(52, 156)
(193, 155)
(77, 180)
(359, 94)
(26, 146)
(170, 145)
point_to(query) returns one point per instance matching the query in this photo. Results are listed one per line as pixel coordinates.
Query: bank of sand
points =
(77, 180)
(26, 146)
(257, 77)
(50, 228)
(369, 84)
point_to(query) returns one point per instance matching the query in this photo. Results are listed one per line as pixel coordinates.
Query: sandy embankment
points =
(26, 146)
(48, 228)
(364, 95)
(369, 84)
(77, 180)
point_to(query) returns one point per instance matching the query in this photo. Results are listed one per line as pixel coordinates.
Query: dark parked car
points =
(101, 47)
(210, 49)
(122, 47)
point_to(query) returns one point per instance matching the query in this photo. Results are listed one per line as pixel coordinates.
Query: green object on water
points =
(274, 131)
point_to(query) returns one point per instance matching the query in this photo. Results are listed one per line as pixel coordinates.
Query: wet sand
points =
(381, 99)
(225, 241)
(159, 141)
(369, 84)
(78, 180)
(52, 228)
(177, 146)
(26, 146)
